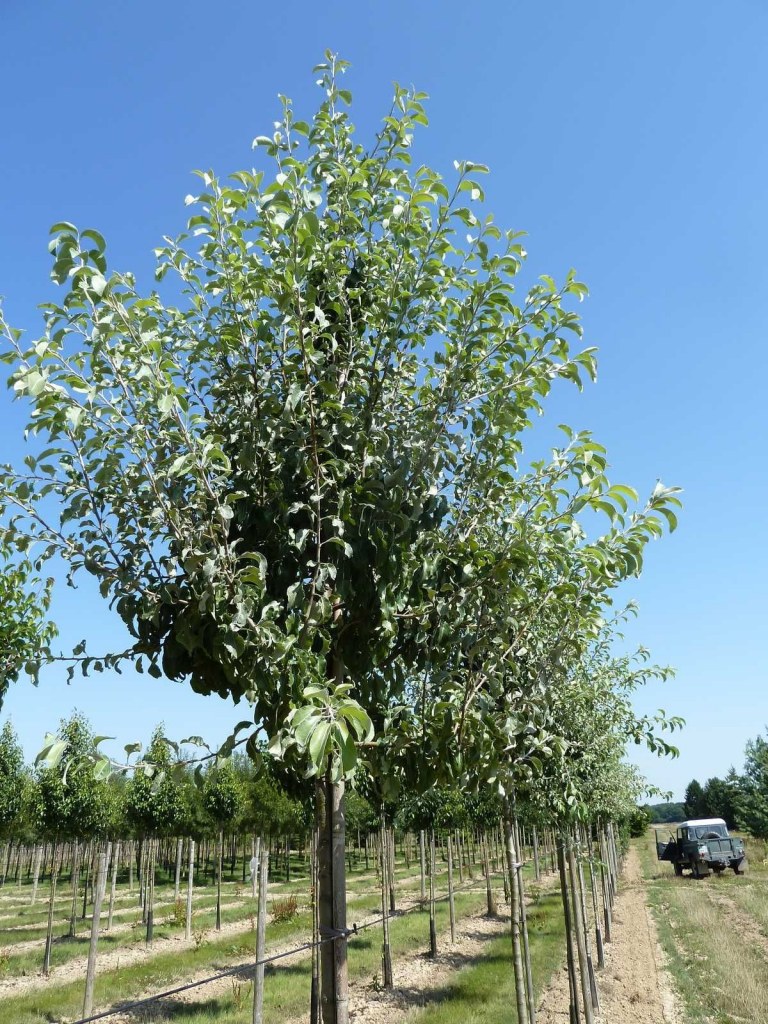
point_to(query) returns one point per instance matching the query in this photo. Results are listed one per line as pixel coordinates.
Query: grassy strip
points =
(163, 970)
(484, 993)
(286, 990)
(721, 978)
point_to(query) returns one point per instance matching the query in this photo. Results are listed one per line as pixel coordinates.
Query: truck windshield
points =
(708, 831)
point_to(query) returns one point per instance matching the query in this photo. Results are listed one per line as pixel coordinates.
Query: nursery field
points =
(470, 974)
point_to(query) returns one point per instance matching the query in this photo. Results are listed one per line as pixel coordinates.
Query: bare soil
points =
(634, 987)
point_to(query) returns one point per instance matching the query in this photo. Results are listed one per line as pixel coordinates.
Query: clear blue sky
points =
(628, 140)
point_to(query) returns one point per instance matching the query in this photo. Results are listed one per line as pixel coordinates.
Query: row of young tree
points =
(300, 480)
(741, 798)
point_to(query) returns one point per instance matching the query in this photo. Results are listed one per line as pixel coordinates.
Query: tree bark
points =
(75, 884)
(261, 927)
(218, 879)
(98, 897)
(190, 883)
(572, 983)
(451, 903)
(386, 952)
(36, 872)
(115, 865)
(432, 923)
(334, 975)
(51, 900)
(422, 859)
(514, 905)
(581, 946)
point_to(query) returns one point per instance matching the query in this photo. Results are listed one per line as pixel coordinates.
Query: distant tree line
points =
(740, 799)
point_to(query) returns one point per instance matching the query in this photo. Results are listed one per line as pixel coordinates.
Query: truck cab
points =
(702, 845)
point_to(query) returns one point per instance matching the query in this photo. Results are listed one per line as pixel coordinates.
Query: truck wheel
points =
(700, 870)
(678, 869)
(740, 868)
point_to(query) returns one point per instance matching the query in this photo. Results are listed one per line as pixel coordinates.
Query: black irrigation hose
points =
(349, 933)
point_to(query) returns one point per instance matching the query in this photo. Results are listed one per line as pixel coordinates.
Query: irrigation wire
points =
(349, 933)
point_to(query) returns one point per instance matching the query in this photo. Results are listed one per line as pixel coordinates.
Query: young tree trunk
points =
(581, 947)
(51, 900)
(526, 944)
(490, 900)
(451, 903)
(88, 876)
(98, 896)
(572, 982)
(177, 879)
(36, 872)
(261, 927)
(314, 994)
(536, 864)
(422, 859)
(75, 883)
(218, 879)
(190, 883)
(113, 885)
(605, 881)
(386, 952)
(334, 976)
(149, 888)
(514, 906)
(256, 845)
(432, 922)
(390, 847)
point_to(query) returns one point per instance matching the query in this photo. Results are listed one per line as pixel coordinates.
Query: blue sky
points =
(629, 142)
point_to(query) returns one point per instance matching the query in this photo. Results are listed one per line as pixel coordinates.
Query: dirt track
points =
(634, 986)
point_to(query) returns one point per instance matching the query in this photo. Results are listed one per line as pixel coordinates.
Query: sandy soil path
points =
(634, 986)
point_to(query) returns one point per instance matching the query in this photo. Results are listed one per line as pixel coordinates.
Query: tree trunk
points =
(314, 994)
(432, 922)
(261, 926)
(218, 879)
(36, 872)
(113, 886)
(386, 951)
(514, 906)
(572, 983)
(190, 883)
(422, 859)
(581, 946)
(75, 883)
(177, 879)
(51, 900)
(98, 896)
(526, 945)
(489, 897)
(256, 845)
(334, 975)
(451, 903)
(149, 889)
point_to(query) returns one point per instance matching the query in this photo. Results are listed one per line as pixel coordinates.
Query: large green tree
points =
(277, 471)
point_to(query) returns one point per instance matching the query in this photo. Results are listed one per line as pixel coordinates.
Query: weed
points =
(285, 909)
(177, 916)
(240, 993)
(199, 936)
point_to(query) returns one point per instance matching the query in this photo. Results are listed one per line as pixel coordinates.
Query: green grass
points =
(484, 993)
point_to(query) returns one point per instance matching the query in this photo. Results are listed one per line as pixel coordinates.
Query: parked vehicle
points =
(703, 845)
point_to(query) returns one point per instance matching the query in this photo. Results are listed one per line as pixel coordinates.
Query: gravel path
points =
(634, 986)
